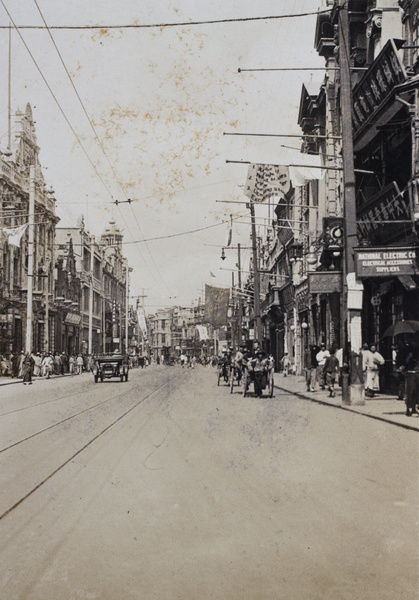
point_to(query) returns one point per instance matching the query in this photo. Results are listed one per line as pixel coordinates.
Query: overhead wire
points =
(117, 178)
(55, 97)
(180, 24)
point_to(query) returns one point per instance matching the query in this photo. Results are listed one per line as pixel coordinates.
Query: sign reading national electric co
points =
(385, 262)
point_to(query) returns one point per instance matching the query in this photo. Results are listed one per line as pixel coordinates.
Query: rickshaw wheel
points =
(219, 377)
(96, 378)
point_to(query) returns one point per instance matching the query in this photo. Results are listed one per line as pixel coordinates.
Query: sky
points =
(140, 113)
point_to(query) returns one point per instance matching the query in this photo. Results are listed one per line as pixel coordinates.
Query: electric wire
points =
(117, 178)
(55, 98)
(180, 24)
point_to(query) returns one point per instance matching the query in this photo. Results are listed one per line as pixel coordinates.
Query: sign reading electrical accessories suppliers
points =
(384, 262)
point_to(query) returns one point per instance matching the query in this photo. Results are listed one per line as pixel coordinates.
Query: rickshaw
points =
(223, 372)
(262, 379)
(107, 366)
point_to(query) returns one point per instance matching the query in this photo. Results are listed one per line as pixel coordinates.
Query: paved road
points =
(169, 487)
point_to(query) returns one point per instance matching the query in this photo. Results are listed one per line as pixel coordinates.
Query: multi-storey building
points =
(313, 305)
(103, 273)
(20, 177)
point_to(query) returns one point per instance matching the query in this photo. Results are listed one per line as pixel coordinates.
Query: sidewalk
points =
(381, 407)
(10, 381)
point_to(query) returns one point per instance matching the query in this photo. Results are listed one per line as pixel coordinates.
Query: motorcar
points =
(107, 366)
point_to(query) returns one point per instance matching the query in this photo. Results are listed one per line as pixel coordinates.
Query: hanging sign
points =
(324, 282)
(384, 262)
(372, 91)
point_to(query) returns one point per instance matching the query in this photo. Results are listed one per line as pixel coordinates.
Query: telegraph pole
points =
(239, 322)
(31, 239)
(354, 393)
(92, 263)
(256, 278)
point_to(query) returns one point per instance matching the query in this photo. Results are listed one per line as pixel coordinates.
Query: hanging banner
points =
(216, 305)
(142, 322)
(203, 332)
(15, 234)
(264, 181)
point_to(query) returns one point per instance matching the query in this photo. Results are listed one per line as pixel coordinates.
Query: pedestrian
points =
(27, 368)
(47, 365)
(37, 367)
(15, 365)
(331, 369)
(72, 364)
(259, 366)
(5, 366)
(321, 361)
(311, 371)
(64, 363)
(80, 362)
(90, 362)
(286, 364)
(57, 364)
(373, 361)
(412, 382)
(402, 359)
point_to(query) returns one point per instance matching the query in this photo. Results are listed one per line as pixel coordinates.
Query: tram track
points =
(85, 445)
(30, 406)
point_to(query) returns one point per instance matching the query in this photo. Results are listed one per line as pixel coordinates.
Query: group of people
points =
(256, 362)
(26, 365)
(324, 368)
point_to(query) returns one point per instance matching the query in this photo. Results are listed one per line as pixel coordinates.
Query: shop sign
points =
(325, 282)
(72, 319)
(369, 94)
(386, 206)
(384, 262)
(286, 295)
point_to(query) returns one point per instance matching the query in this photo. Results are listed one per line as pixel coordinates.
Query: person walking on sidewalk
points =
(286, 364)
(47, 365)
(412, 382)
(27, 368)
(311, 370)
(331, 369)
(321, 361)
(373, 361)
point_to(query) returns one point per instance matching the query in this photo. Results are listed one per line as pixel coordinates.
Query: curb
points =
(304, 396)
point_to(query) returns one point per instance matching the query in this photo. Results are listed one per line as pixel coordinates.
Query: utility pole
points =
(256, 278)
(354, 392)
(239, 322)
(129, 270)
(9, 96)
(47, 272)
(31, 239)
(92, 263)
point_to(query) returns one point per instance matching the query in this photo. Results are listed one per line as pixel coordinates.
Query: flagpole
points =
(31, 239)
